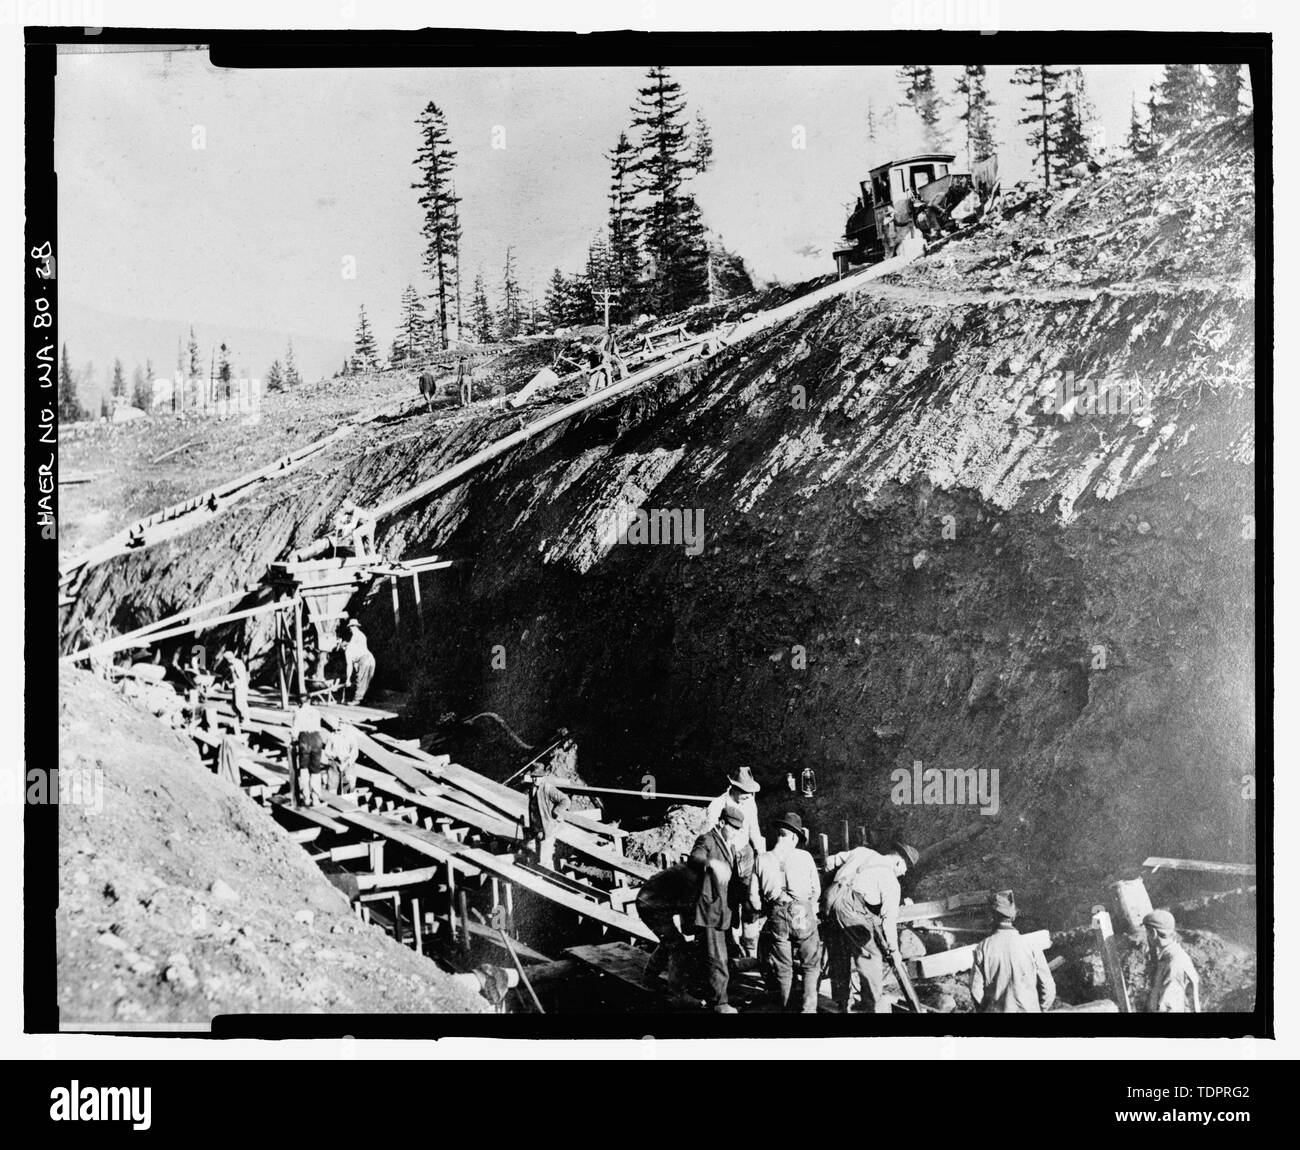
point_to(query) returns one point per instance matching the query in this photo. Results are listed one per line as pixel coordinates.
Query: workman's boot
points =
(725, 1008)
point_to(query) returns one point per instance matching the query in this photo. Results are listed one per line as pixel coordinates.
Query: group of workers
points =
(321, 762)
(739, 899)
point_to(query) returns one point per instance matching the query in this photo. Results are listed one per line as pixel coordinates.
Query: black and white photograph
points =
(595, 534)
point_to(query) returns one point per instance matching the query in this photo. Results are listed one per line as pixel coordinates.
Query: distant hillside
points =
(100, 337)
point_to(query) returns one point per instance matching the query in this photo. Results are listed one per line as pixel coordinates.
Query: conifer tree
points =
(275, 377)
(1224, 96)
(291, 376)
(512, 314)
(975, 114)
(623, 228)
(70, 409)
(922, 96)
(436, 160)
(119, 381)
(1041, 82)
(481, 312)
(365, 354)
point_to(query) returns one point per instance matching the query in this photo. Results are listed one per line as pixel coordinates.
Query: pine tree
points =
(623, 229)
(141, 392)
(119, 381)
(481, 312)
(275, 377)
(1072, 146)
(291, 376)
(436, 160)
(560, 302)
(1138, 139)
(1224, 97)
(412, 332)
(666, 158)
(196, 360)
(923, 97)
(1041, 82)
(512, 313)
(972, 90)
(70, 409)
(365, 355)
(455, 254)
(223, 367)
(1178, 100)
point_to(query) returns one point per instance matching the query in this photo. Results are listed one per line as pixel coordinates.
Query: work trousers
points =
(858, 967)
(365, 671)
(546, 851)
(715, 961)
(777, 946)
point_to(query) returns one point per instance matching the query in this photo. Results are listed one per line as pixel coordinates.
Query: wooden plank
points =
(1105, 936)
(306, 835)
(396, 878)
(912, 912)
(626, 963)
(424, 842)
(480, 930)
(432, 800)
(311, 814)
(960, 958)
(1155, 863)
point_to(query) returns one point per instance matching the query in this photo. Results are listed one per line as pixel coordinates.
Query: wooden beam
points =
(306, 835)
(1105, 936)
(1155, 863)
(960, 958)
(398, 878)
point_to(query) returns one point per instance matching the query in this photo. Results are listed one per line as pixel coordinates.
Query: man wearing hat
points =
(1008, 975)
(1170, 972)
(862, 920)
(360, 661)
(724, 861)
(790, 889)
(546, 807)
(741, 792)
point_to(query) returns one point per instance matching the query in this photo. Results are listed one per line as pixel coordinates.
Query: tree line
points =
(139, 392)
(1055, 108)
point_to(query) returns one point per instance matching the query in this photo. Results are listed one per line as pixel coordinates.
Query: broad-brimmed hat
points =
(792, 822)
(745, 781)
(907, 853)
(733, 816)
(354, 623)
(1004, 905)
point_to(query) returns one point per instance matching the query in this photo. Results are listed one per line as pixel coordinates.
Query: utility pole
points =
(606, 297)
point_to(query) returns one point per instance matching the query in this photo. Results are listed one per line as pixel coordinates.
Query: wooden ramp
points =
(628, 964)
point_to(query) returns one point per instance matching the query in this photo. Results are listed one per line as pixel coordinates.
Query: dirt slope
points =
(914, 550)
(181, 899)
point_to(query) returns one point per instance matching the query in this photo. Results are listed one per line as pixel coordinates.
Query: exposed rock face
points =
(997, 513)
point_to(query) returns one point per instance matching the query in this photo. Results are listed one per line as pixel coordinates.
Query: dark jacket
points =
(724, 884)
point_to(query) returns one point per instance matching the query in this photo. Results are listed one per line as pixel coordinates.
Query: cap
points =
(732, 815)
(1159, 920)
(908, 853)
(744, 781)
(1004, 904)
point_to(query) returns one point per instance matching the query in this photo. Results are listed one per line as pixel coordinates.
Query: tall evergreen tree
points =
(413, 327)
(455, 255)
(975, 114)
(291, 376)
(1041, 82)
(666, 158)
(119, 381)
(70, 409)
(1072, 145)
(1178, 100)
(481, 312)
(436, 160)
(512, 311)
(561, 303)
(223, 367)
(195, 359)
(922, 96)
(275, 377)
(365, 353)
(1138, 139)
(141, 391)
(623, 228)
(1224, 96)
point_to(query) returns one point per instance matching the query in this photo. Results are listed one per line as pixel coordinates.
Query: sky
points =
(279, 201)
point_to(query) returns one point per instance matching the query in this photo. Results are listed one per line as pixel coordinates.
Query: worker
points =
(664, 897)
(1170, 973)
(724, 861)
(340, 756)
(862, 919)
(1008, 976)
(308, 744)
(355, 530)
(790, 890)
(890, 233)
(237, 673)
(740, 793)
(546, 807)
(360, 662)
(465, 381)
